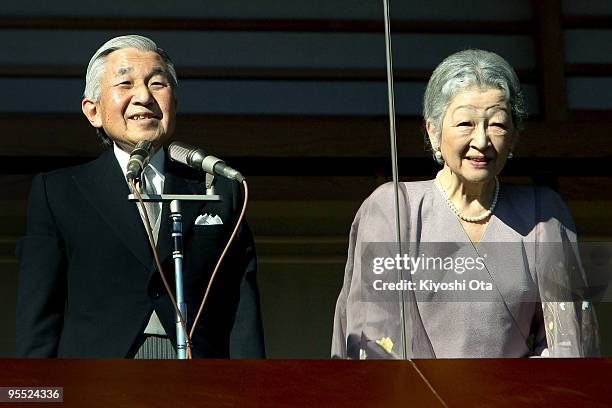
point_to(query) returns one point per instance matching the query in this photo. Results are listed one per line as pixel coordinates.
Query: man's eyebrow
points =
(123, 71)
(154, 71)
(159, 70)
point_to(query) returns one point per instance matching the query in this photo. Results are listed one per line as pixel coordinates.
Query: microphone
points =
(198, 159)
(139, 158)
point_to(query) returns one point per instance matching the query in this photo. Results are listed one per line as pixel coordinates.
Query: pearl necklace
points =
(478, 218)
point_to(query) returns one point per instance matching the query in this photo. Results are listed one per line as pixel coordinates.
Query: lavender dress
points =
(529, 242)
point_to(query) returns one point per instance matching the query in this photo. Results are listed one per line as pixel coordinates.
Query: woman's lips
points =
(478, 162)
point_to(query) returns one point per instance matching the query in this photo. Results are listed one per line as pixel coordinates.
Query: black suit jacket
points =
(88, 281)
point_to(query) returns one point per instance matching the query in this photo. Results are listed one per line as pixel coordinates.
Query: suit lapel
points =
(104, 186)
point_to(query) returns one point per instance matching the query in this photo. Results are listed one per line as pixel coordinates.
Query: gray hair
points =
(97, 63)
(463, 70)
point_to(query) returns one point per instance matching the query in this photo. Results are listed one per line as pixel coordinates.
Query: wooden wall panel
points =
(240, 96)
(318, 208)
(551, 59)
(270, 188)
(590, 93)
(415, 10)
(467, 26)
(588, 46)
(65, 135)
(267, 49)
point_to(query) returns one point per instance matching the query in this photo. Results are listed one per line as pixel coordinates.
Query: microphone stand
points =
(177, 253)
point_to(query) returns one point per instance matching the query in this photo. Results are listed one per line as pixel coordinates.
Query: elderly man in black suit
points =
(88, 285)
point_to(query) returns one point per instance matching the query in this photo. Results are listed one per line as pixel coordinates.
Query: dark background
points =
(294, 95)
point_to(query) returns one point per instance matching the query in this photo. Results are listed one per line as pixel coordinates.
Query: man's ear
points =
(91, 112)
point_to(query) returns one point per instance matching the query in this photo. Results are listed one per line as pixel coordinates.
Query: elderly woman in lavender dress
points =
(522, 237)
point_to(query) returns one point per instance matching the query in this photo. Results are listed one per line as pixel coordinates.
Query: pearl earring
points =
(510, 155)
(438, 157)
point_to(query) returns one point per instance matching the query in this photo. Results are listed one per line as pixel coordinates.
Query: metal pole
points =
(393, 140)
(177, 255)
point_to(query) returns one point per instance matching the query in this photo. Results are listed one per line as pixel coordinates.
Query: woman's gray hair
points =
(463, 70)
(96, 67)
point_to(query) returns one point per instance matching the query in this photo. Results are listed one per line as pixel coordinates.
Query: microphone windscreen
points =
(179, 152)
(142, 148)
(139, 158)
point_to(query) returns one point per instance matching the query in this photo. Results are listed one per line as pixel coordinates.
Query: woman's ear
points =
(431, 131)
